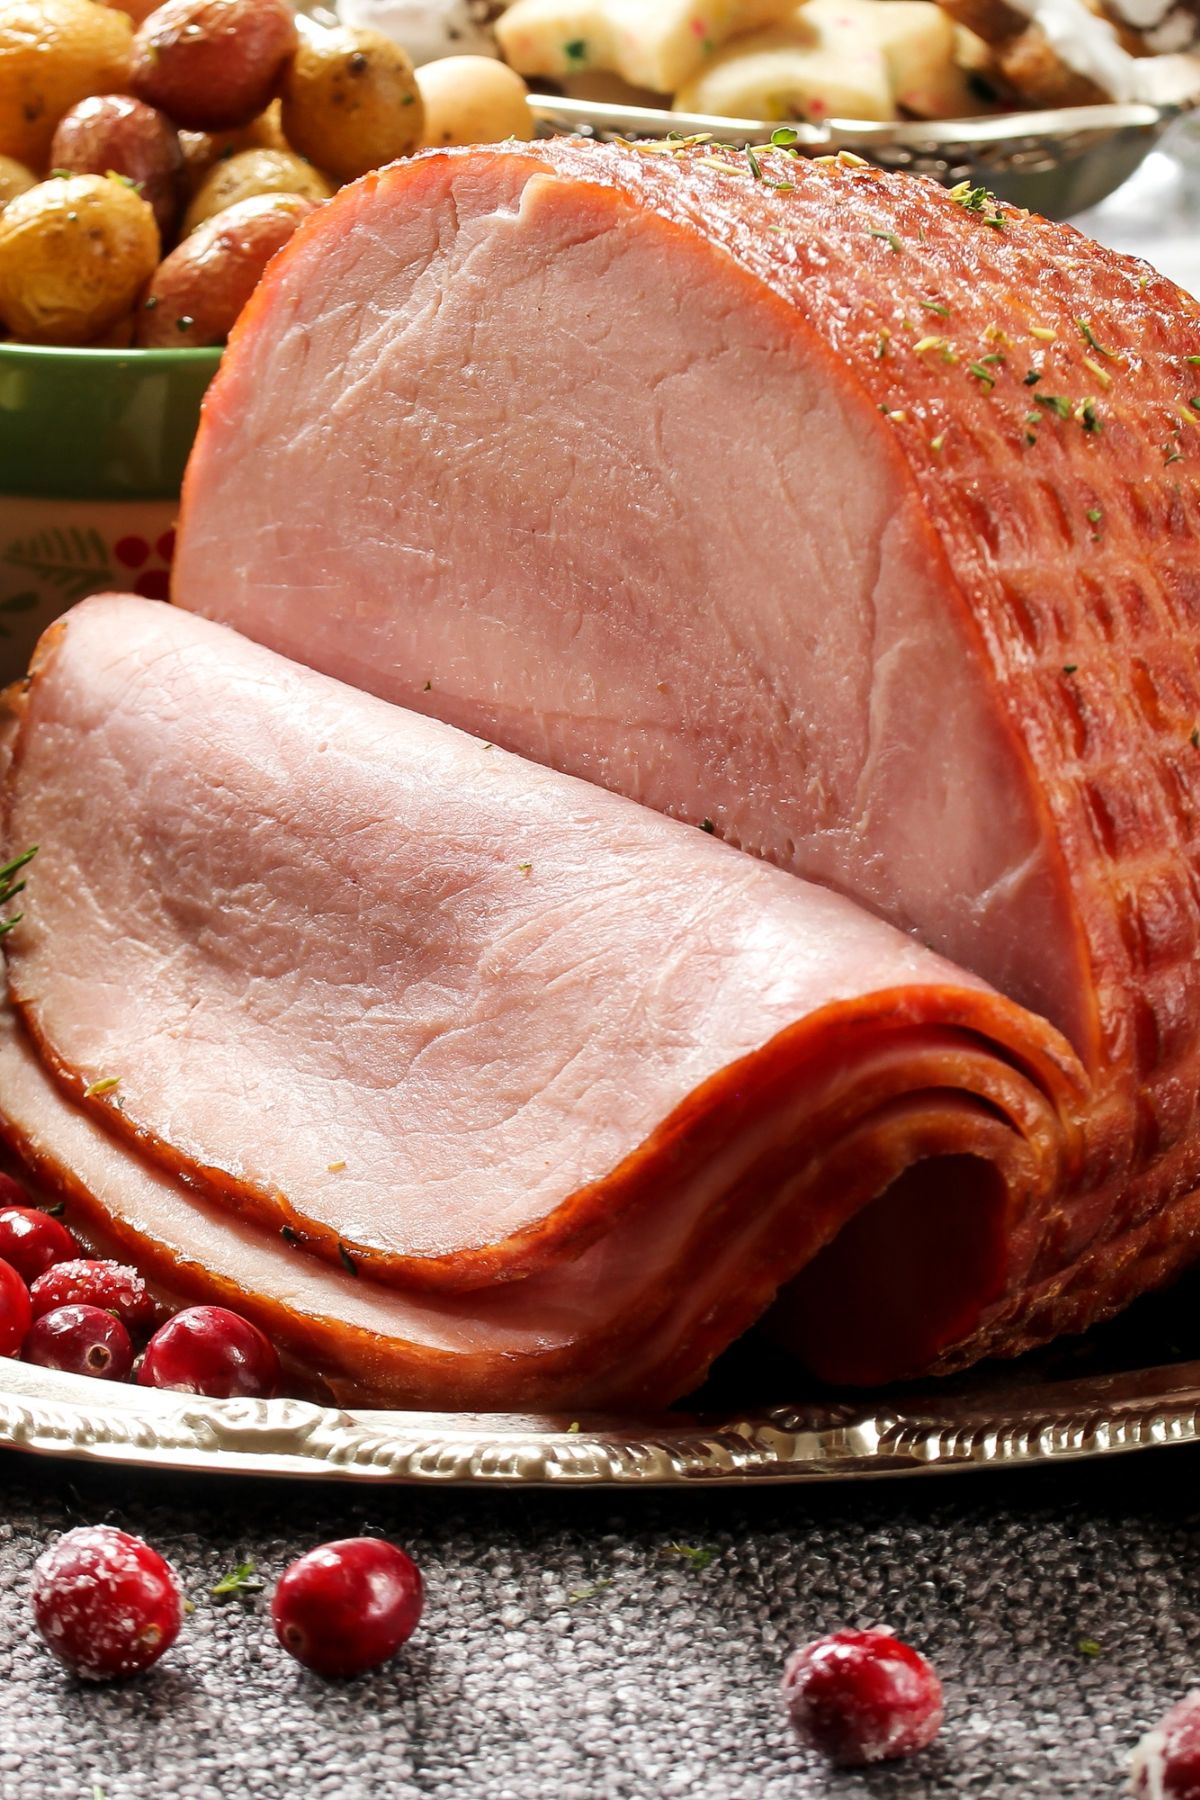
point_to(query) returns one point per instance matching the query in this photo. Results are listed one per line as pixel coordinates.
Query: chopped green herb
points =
(525, 867)
(105, 1085)
(1196, 738)
(124, 180)
(1195, 402)
(1089, 338)
(241, 1583)
(1056, 403)
(937, 443)
(883, 339)
(978, 200)
(707, 825)
(1033, 377)
(935, 306)
(1088, 417)
(427, 688)
(588, 1593)
(995, 356)
(1194, 360)
(784, 138)
(697, 1556)
(1088, 1646)
(184, 322)
(889, 238)
(760, 174)
(347, 1261)
(60, 175)
(1033, 418)
(575, 1427)
(289, 1236)
(1070, 668)
(9, 889)
(57, 1210)
(576, 50)
(982, 374)
(150, 302)
(1095, 514)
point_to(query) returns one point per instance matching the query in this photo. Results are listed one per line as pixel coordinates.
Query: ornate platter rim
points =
(912, 1433)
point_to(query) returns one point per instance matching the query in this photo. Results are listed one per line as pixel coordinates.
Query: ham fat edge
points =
(849, 520)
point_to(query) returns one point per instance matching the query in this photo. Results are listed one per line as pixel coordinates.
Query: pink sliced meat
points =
(858, 519)
(310, 990)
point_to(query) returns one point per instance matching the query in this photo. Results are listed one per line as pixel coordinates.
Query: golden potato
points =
(351, 102)
(75, 253)
(54, 53)
(253, 172)
(472, 100)
(15, 179)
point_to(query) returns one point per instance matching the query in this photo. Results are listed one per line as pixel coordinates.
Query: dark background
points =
(566, 1653)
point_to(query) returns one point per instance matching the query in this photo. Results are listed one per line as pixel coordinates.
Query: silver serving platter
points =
(983, 1426)
(1056, 163)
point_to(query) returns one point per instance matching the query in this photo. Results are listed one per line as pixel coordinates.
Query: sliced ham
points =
(856, 519)
(479, 1084)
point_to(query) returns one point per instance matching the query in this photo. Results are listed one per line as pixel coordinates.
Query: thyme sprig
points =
(978, 200)
(9, 889)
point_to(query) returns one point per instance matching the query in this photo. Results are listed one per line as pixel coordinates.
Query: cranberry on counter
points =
(1166, 1764)
(106, 1603)
(15, 1311)
(31, 1241)
(83, 1340)
(862, 1697)
(113, 1287)
(347, 1606)
(207, 1350)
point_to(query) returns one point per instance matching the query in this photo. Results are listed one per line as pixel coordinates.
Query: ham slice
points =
(477, 1084)
(855, 518)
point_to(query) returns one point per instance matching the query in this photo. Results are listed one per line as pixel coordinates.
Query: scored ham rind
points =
(561, 1131)
(858, 520)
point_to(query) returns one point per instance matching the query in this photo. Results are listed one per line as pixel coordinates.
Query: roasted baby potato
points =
(196, 295)
(472, 100)
(75, 253)
(351, 102)
(112, 132)
(253, 172)
(212, 64)
(53, 53)
(15, 179)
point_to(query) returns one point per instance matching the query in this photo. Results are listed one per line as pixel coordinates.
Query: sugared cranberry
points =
(347, 1606)
(113, 1287)
(1166, 1764)
(15, 1311)
(81, 1339)
(862, 1697)
(31, 1241)
(206, 1350)
(106, 1603)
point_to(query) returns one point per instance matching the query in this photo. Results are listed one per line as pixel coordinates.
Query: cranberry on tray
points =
(31, 1241)
(83, 1340)
(862, 1697)
(106, 1603)
(207, 1350)
(348, 1606)
(15, 1311)
(112, 1286)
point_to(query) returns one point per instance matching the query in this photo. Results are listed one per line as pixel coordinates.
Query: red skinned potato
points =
(196, 295)
(213, 64)
(110, 133)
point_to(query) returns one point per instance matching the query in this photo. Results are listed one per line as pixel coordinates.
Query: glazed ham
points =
(856, 518)
(389, 1035)
(847, 519)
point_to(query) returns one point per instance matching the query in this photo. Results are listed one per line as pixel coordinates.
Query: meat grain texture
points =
(852, 520)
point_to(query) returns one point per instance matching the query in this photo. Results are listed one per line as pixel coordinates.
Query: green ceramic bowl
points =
(92, 450)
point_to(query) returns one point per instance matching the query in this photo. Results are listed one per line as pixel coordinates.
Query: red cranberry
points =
(12, 1193)
(31, 1241)
(862, 1697)
(206, 1350)
(81, 1339)
(1166, 1764)
(106, 1603)
(347, 1606)
(15, 1311)
(113, 1287)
